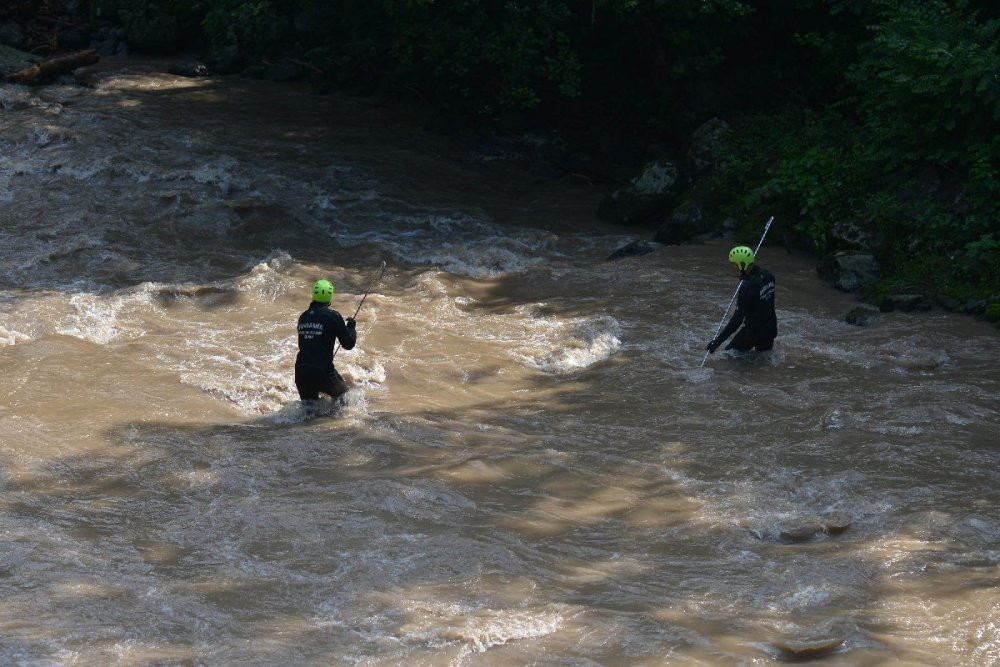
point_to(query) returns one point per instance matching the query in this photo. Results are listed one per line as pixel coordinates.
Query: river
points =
(531, 467)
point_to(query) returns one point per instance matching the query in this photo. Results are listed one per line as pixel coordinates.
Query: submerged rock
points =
(835, 524)
(634, 249)
(807, 529)
(191, 69)
(807, 648)
(861, 317)
(801, 532)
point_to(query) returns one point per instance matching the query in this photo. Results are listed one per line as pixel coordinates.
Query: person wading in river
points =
(319, 328)
(754, 307)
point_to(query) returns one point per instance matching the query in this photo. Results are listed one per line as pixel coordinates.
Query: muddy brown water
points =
(531, 468)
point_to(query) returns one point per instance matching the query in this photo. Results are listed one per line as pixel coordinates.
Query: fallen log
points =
(54, 66)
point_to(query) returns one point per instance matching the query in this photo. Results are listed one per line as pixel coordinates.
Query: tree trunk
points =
(54, 66)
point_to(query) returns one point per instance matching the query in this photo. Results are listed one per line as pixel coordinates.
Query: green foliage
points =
(929, 72)
(248, 26)
(984, 255)
(158, 26)
(993, 313)
(804, 164)
(485, 54)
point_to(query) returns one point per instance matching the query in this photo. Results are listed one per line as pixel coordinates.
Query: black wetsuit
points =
(319, 328)
(755, 311)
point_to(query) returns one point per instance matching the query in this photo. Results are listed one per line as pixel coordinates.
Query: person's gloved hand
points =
(351, 323)
(713, 346)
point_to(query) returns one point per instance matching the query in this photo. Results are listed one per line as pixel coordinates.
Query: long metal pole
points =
(733, 300)
(370, 286)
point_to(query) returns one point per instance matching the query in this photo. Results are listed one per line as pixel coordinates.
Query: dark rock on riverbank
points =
(849, 271)
(906, 303)
(109, 40)
(11, 35)
(12, 60)
(646, 195)
(710, 144)
(684, 223)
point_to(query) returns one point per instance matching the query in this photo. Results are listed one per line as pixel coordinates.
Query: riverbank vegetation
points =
(865, 126)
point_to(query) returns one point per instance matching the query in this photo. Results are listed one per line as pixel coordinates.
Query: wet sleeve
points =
(737, 319)
(345, 334)
(734, 323)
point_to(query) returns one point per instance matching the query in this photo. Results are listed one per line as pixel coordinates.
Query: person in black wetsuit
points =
(319, 328)
(754, 307)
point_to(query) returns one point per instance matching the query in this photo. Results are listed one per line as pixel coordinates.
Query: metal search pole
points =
(374, 282)
(733, 300)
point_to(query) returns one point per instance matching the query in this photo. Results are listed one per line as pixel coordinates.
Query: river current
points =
(531, 467)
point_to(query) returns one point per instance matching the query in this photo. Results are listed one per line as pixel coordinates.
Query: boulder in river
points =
(835, 524)
(807, 649)
(634, 249)
(801, 531)
(861, 316)
(189, 68)
(807, 529)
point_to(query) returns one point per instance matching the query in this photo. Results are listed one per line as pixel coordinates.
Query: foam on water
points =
(251, 366)
(10, 337)
(563, 346)
(99, 319)
(267, 279)
(254, 385)
(465, 246)
(479, 629)
(150, 81)
(352, 405)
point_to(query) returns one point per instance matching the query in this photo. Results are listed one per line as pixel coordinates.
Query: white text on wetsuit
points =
(308, 330)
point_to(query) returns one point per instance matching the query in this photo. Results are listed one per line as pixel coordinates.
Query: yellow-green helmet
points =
(741, 256)
(323, 291)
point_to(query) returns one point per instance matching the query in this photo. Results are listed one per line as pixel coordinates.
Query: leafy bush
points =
(985, 255)
(247, 26)
(929, 71)
(485, 54)
(993, 313)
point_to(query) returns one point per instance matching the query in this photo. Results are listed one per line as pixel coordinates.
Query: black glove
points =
(713, 346)
(351, 323)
